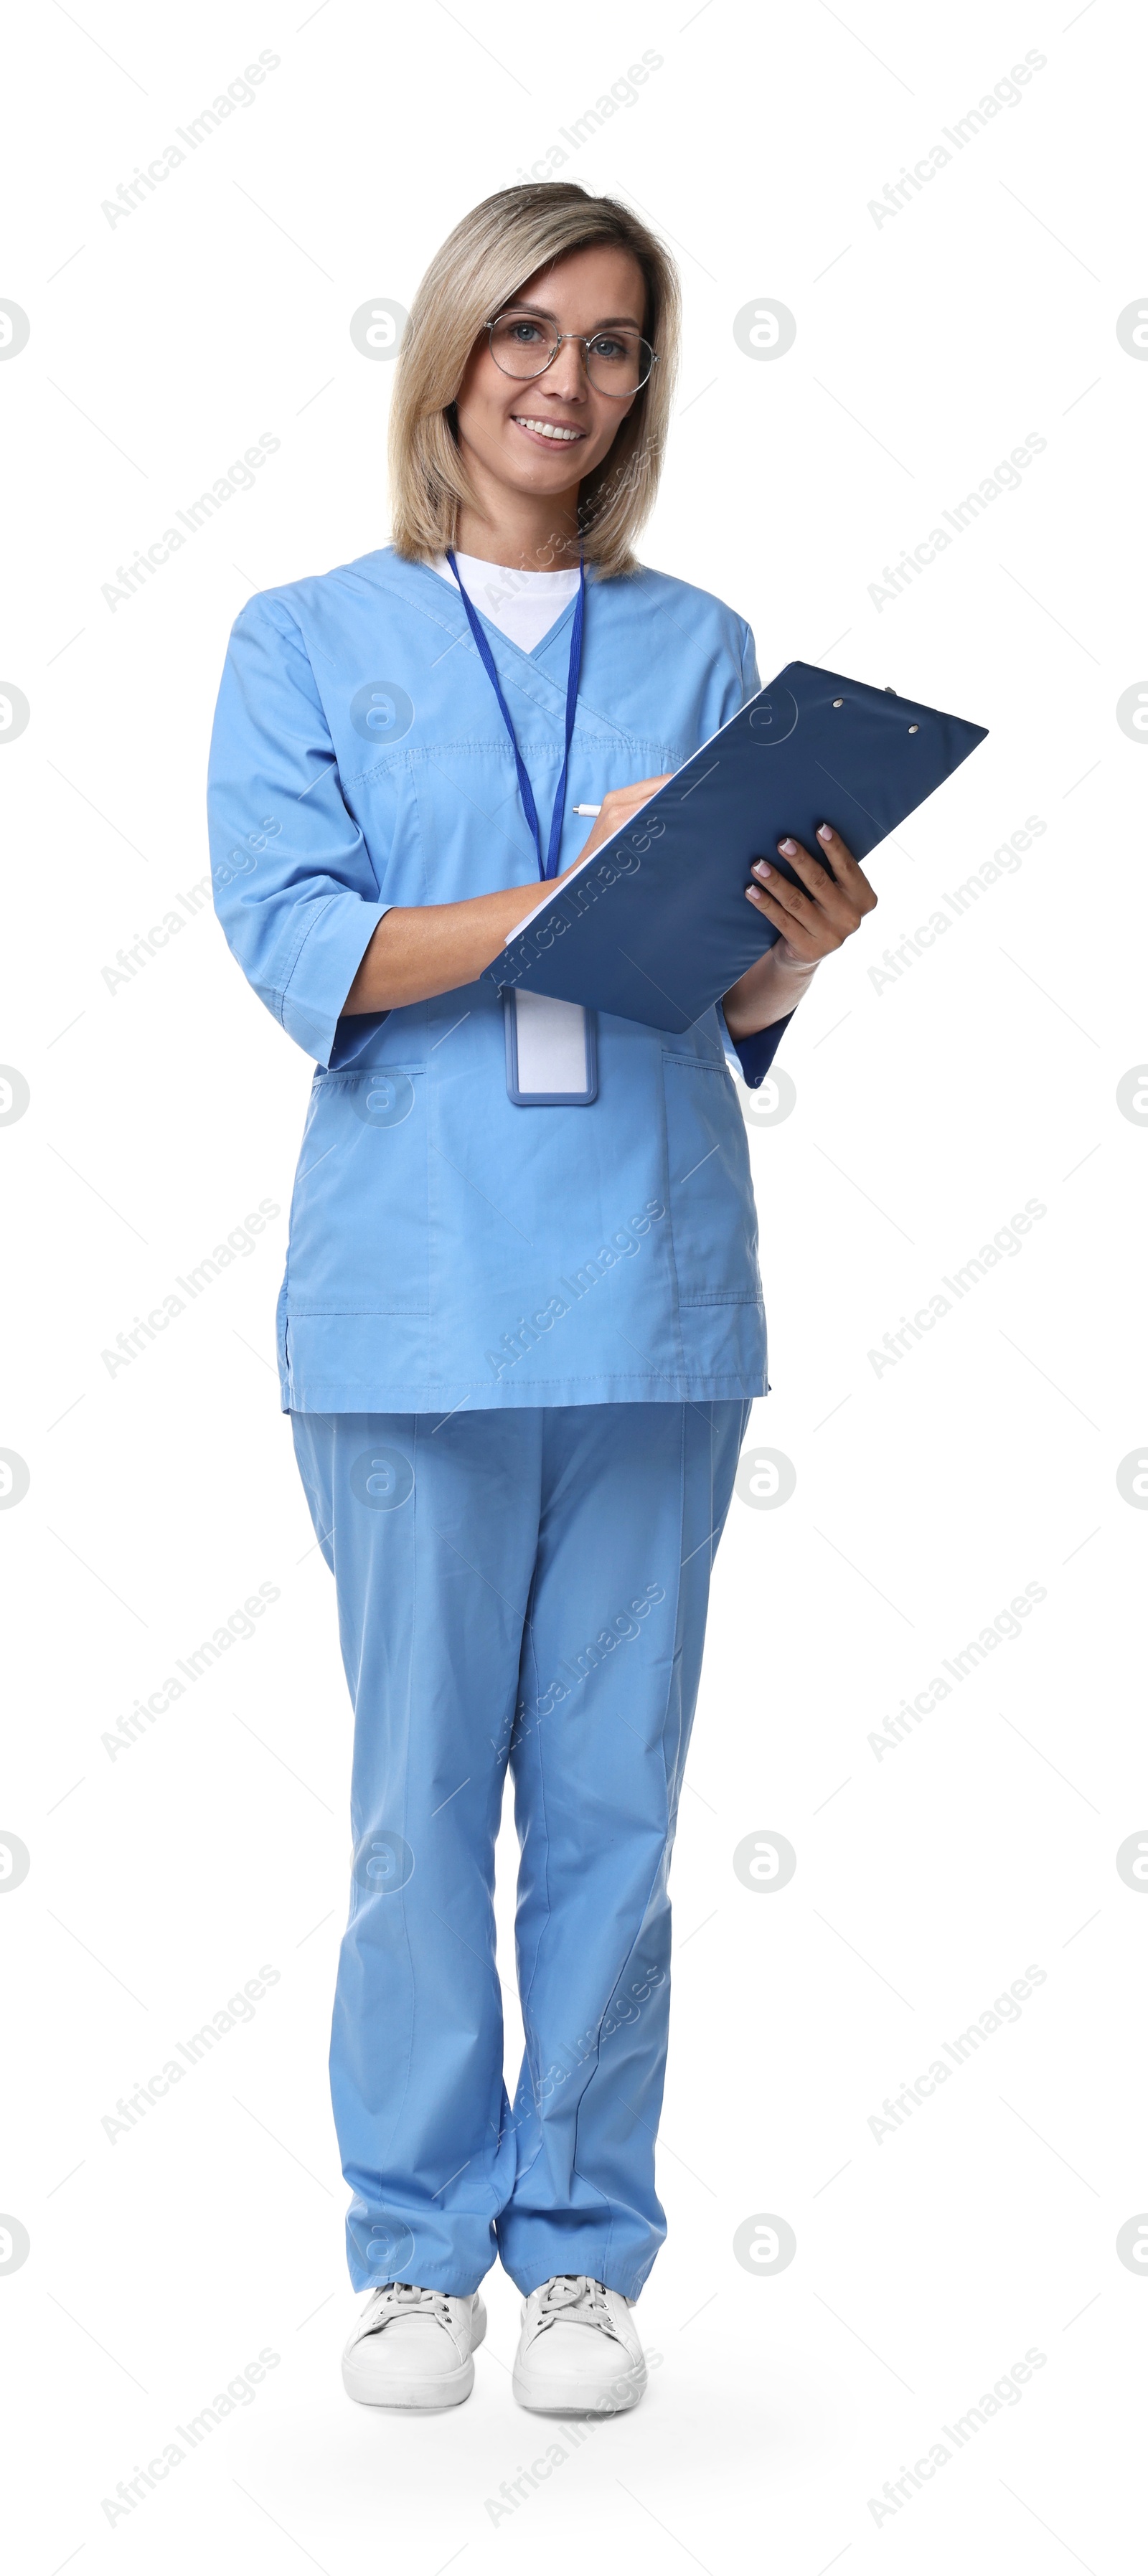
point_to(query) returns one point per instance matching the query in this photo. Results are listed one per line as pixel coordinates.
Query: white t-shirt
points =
(523, 605)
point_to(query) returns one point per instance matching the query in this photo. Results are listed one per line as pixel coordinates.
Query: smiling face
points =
(531, 441)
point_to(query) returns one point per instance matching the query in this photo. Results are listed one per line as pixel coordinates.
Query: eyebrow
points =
(609, 322)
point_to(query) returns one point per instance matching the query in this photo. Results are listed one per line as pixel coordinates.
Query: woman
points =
(521, 1326)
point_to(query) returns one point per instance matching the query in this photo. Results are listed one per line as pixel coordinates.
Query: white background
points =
(928, 345)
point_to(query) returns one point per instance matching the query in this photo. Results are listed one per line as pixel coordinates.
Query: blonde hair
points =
(481, 266)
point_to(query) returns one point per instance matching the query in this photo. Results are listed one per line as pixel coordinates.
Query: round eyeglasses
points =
(617, 361)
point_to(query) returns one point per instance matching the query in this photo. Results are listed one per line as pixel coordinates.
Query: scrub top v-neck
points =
(446, 1247)
(523, 605)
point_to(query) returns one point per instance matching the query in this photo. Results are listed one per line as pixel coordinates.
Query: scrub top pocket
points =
(713, 1217)
(359, 1242)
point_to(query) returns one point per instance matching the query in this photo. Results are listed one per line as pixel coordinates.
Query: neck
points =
(525, 531)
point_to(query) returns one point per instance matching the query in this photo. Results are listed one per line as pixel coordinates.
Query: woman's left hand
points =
(811, 918)
(823, 911)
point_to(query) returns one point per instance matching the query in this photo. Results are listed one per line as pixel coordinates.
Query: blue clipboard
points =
(655, 926)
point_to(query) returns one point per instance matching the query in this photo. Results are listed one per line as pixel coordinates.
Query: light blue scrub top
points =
(447, 1248)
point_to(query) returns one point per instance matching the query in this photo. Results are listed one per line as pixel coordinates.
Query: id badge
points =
(551, 1051)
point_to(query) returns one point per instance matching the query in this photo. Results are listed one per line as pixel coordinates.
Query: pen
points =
(585, 809)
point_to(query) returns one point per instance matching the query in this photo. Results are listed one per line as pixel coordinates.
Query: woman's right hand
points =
(421, 950)
(619, 807)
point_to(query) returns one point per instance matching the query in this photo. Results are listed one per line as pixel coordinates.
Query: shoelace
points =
(404, 2298)
(572, 2298)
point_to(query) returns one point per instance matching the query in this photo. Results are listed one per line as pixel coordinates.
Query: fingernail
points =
(762, 868)
(825, 831)
(788, 847)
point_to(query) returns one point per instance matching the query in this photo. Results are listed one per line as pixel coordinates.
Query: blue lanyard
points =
(549, 866)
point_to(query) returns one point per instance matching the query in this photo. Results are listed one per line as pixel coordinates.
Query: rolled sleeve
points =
(294, 887)
(753, 1054)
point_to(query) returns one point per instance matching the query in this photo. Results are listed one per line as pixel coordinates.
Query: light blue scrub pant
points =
(526, 1586)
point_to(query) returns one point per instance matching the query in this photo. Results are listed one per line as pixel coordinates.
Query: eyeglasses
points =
(617, 362)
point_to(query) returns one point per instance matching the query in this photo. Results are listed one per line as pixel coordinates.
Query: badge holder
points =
(551, 1046)
(551, 1051)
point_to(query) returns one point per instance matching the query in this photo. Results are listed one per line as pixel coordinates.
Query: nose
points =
(565, 376)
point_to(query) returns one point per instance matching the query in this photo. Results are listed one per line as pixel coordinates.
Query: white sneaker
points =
(579, 2351)
(413, 2348)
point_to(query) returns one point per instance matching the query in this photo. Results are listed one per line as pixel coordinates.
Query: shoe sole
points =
(569, 2397)
(430, 2396)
